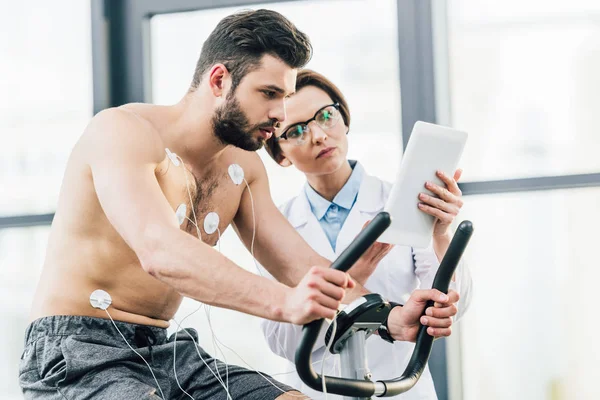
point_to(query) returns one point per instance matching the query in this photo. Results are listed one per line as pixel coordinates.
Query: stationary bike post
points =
(353, 358)
(354, 324)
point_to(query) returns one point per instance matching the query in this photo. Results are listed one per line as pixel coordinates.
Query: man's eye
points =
(269, 93)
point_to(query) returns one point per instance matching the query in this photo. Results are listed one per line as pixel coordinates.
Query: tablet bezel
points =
(410, 225)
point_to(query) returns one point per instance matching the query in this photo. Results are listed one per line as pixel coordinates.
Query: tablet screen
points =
(430, 148)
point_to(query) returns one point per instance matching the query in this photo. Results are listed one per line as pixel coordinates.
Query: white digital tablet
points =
(430, 148)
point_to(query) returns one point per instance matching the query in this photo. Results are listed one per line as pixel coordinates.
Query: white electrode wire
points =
(217, 348)
(175, 353)
(196, 346)
(198, 351)
(175, 370)
(195, 224)
(225, 386)
(244, 361)
(282, 373)
(187, 186)
(215, 345)
(285, 355)
(143, 359)
(215, 339)
(175, 358)
(260, 272)
(277, 334)
(253, 228)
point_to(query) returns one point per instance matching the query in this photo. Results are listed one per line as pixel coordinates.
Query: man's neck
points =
(329, 185)
(190, 134)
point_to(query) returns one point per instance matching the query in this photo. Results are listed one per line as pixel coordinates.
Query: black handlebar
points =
(424, 342)
(343, 386)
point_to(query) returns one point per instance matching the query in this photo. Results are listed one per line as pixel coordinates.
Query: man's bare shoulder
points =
(122, 129)
(250, 161)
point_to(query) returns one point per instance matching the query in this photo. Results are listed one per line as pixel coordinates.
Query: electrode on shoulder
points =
(236, 173)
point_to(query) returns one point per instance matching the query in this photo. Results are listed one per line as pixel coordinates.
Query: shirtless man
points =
(116, 230)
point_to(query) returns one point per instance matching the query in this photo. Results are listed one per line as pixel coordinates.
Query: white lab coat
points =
(403, 270)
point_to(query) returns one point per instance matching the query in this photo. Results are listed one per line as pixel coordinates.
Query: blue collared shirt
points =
(332, 214)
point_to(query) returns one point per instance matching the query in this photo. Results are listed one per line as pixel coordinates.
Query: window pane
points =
(524, 83)
(46, 98)
(21, 258)
(531, 331)
(347, 36)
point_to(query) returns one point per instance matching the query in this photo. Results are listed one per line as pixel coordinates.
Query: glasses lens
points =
(296, 133)
(328, 117)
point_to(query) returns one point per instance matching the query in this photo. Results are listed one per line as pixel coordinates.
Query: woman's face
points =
(323, 149)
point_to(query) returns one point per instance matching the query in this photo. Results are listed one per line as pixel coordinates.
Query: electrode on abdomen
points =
(100, 299)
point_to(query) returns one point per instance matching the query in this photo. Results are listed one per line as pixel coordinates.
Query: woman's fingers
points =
(451, 183)
(439, 214)
(444, 194)
(440, 204)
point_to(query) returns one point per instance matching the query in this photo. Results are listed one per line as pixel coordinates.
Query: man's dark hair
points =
(240, 40)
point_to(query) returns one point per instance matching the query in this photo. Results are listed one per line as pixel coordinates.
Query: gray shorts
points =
(71, 357)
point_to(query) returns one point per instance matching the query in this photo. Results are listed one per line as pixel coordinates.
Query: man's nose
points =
(278, 113)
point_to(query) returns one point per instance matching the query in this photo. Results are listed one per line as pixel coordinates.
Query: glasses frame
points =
(284, 135)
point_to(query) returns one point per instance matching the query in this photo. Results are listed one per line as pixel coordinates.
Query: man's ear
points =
(218, 79)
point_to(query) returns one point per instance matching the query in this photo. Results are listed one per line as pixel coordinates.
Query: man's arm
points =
(279, 248)
(123, 158)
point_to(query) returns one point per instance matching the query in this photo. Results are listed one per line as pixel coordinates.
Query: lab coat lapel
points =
(316, 238)
(370, 200)
(304, 221)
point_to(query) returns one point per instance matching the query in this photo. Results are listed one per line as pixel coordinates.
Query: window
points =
(46, 99)
(22, 252)
(530, 331)
(523, 82)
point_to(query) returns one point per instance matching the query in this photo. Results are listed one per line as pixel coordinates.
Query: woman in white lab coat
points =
(337, 200)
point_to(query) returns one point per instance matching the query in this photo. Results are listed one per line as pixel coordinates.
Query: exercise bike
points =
(361, 318)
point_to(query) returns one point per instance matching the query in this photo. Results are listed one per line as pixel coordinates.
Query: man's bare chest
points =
(205, 204)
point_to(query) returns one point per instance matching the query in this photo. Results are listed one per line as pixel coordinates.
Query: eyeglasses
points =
(325, 117)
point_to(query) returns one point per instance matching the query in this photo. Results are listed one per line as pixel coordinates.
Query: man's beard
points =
(231, 126)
